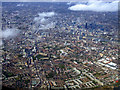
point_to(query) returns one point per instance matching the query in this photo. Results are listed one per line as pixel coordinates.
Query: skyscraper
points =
(86, 25)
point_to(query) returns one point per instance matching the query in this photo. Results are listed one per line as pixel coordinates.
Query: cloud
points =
(48, 26)
(69, 3)
(18, 5)
(98, 6)
(44, 20)
(41, 0)
(8, 33)
(46, 14)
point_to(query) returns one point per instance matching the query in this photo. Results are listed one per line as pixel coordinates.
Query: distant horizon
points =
(56, 0)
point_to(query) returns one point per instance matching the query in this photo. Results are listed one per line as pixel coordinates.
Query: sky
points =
(98, 6)
(51, 0)
(93, 5)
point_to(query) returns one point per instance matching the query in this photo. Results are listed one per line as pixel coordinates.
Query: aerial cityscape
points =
(56, 46)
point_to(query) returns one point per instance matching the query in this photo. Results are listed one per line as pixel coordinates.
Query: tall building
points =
(86, 26)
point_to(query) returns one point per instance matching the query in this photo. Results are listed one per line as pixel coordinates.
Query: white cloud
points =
(18, 5)
(46, 14)
(44, 20)
(69, 3)
(98, 6)
(48, 26)
(8, 33)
